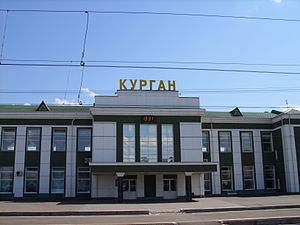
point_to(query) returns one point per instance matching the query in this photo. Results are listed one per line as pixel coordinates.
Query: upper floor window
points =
(246, 139)
(266, 141)
(84, 139)
(128, 142)
(205, 141)
(6, 179)
(167, 143)
(59, 139)
(225, 141)
(8, 139)
(33, 139)
(148, 143)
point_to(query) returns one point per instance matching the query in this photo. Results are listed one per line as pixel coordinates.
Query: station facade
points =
(146, 145)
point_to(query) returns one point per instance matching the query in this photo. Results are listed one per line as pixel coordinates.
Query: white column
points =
(45, 160)
(216, 179)
(19, 161)
(258, 159)
(202, 190)
(290, 158)
(140, 185)
(237, 161)
(159, 185)
(181, 184)
(71, 162)
(94, 191)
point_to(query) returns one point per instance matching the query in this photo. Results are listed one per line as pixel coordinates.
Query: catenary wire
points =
(153, 67)
(154, 13)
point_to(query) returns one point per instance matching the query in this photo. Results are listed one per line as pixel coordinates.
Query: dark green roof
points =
(32, 108)
(245, 115)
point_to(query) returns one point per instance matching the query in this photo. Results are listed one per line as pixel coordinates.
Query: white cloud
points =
(277, 1)
(88, 92)
(60, 101)
(27, 104)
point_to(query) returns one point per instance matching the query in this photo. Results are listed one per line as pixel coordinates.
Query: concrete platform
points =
(97, 207)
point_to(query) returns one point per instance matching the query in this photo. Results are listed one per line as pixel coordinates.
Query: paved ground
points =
(206, 218)
(157, 207)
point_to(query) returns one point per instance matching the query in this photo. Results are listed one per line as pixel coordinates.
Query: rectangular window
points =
(84, 139)
(148, 143)
(170, 184)
(269, 175)
(6, 179)
(167, 142)
(249, 182)
(226, 177)
(128, 142)
(83, 180)
(59, 139)
(225, 141)
(58, 181)
(31, 180)
(33, 139)
(129, 185)
(266, 141)
(8, 139)
(246, 139)
(207, 182)
(205, 141)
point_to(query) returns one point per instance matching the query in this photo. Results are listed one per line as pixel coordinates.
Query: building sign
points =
(151, 85)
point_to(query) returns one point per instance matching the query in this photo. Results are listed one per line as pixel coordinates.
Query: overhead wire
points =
(154, 13)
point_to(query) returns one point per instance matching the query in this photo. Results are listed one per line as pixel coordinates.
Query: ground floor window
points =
(269, 174)
(31, 180)
(6, 179)
(226, 177)
(129, 185)
(58, 181)
(170, 184)
(207, 182)
(248, 172)
(83, 180)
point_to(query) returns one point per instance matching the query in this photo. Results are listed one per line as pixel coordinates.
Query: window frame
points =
(66, 139)
(251, 141)
(169, 182)
(26, 179)
(208, 141)
(208, 181)
(134, 156)
(273, 178)
(231, 179)
(2, 138)
(230, 141)
(173, 143)
(129, 185)
(157, 144)
(246, 179)
(271, 141)
(11, 180)
(52, 179)
(40, 139)
(78, 139)
(78, 180)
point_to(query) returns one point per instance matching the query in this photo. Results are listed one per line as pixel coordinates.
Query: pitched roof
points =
(245, 114)
(32, 108)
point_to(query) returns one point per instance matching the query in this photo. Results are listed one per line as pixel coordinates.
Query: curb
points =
(77, 213)
(239, 208)
(262, 221)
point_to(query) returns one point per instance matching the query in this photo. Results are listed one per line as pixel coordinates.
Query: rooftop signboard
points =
(150, 85)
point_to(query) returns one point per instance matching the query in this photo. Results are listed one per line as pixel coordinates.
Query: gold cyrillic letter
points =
(173, 85)
(122, 85)
(143, 83)
(133, 84)
(161, 85)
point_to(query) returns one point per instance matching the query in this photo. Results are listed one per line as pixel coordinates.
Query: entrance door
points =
(150, 186)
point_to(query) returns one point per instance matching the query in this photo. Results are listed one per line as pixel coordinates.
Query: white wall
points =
(237, 161)
(104, 142)
(106, 186)
(216, 180)
(19, 161)
(45, 160)
(259, 170)
(191, 142)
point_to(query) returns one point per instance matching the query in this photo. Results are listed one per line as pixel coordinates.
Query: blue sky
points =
(59, 36)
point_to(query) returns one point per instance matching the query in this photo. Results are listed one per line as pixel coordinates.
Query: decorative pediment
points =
(42, 107)
(236, 112)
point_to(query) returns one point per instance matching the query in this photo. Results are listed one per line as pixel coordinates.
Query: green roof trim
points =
(32, 108)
